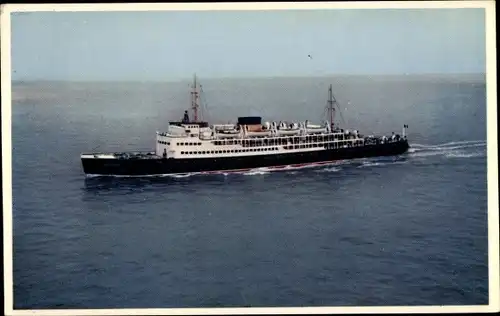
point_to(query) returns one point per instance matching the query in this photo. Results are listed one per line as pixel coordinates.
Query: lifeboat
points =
(231, 132)
(256, 130)
(315, 130)
(259, 133)
(312, 129)
(288, 132)
(225, 127)
(226, 135)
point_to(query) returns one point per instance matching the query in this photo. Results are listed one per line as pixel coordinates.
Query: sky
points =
(171, 45)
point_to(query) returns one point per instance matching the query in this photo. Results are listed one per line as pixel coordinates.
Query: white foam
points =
(330, 169)
(457, 147)
(464, 155)
(427, 154)
(464, 142)
(454, 149)
(256, 173)
(181, 175)
(379, 163)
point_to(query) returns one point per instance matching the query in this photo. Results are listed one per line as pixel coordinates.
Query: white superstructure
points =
(189, 140)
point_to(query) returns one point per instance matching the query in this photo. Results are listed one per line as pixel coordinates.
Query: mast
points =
(331, 109)
(194, 99)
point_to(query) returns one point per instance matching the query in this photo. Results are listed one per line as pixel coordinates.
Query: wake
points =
(455, 149)
(462, 144)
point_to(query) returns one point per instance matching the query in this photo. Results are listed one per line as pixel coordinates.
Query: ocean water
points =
(407, 230)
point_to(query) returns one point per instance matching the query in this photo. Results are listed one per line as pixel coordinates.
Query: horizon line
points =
(181, 79)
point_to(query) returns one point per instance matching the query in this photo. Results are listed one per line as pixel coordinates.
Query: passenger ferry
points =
(194, 146)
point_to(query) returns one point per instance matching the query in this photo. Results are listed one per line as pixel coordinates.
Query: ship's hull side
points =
(138, 167)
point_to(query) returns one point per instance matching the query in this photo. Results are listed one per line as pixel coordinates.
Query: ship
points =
(193, 146)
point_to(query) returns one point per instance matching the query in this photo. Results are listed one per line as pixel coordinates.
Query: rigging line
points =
(341, 116)
(324, 115)
(338, 107)
(204, 103)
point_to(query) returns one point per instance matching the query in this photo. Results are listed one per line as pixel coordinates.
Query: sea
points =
(409, 230)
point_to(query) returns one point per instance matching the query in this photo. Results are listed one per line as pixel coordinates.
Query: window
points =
(182, 153)
(199, 144)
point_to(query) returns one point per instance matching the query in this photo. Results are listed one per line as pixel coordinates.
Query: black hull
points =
(161, 166)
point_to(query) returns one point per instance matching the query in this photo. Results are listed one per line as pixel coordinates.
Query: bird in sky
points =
(310, 57)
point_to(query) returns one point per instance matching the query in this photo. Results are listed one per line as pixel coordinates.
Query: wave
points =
(179, 176)
(257, 171)
(462, 142)
(448, 147)
(465, 155)
(381, 163)
(289, 168)
(455, 149)
(329, 169)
